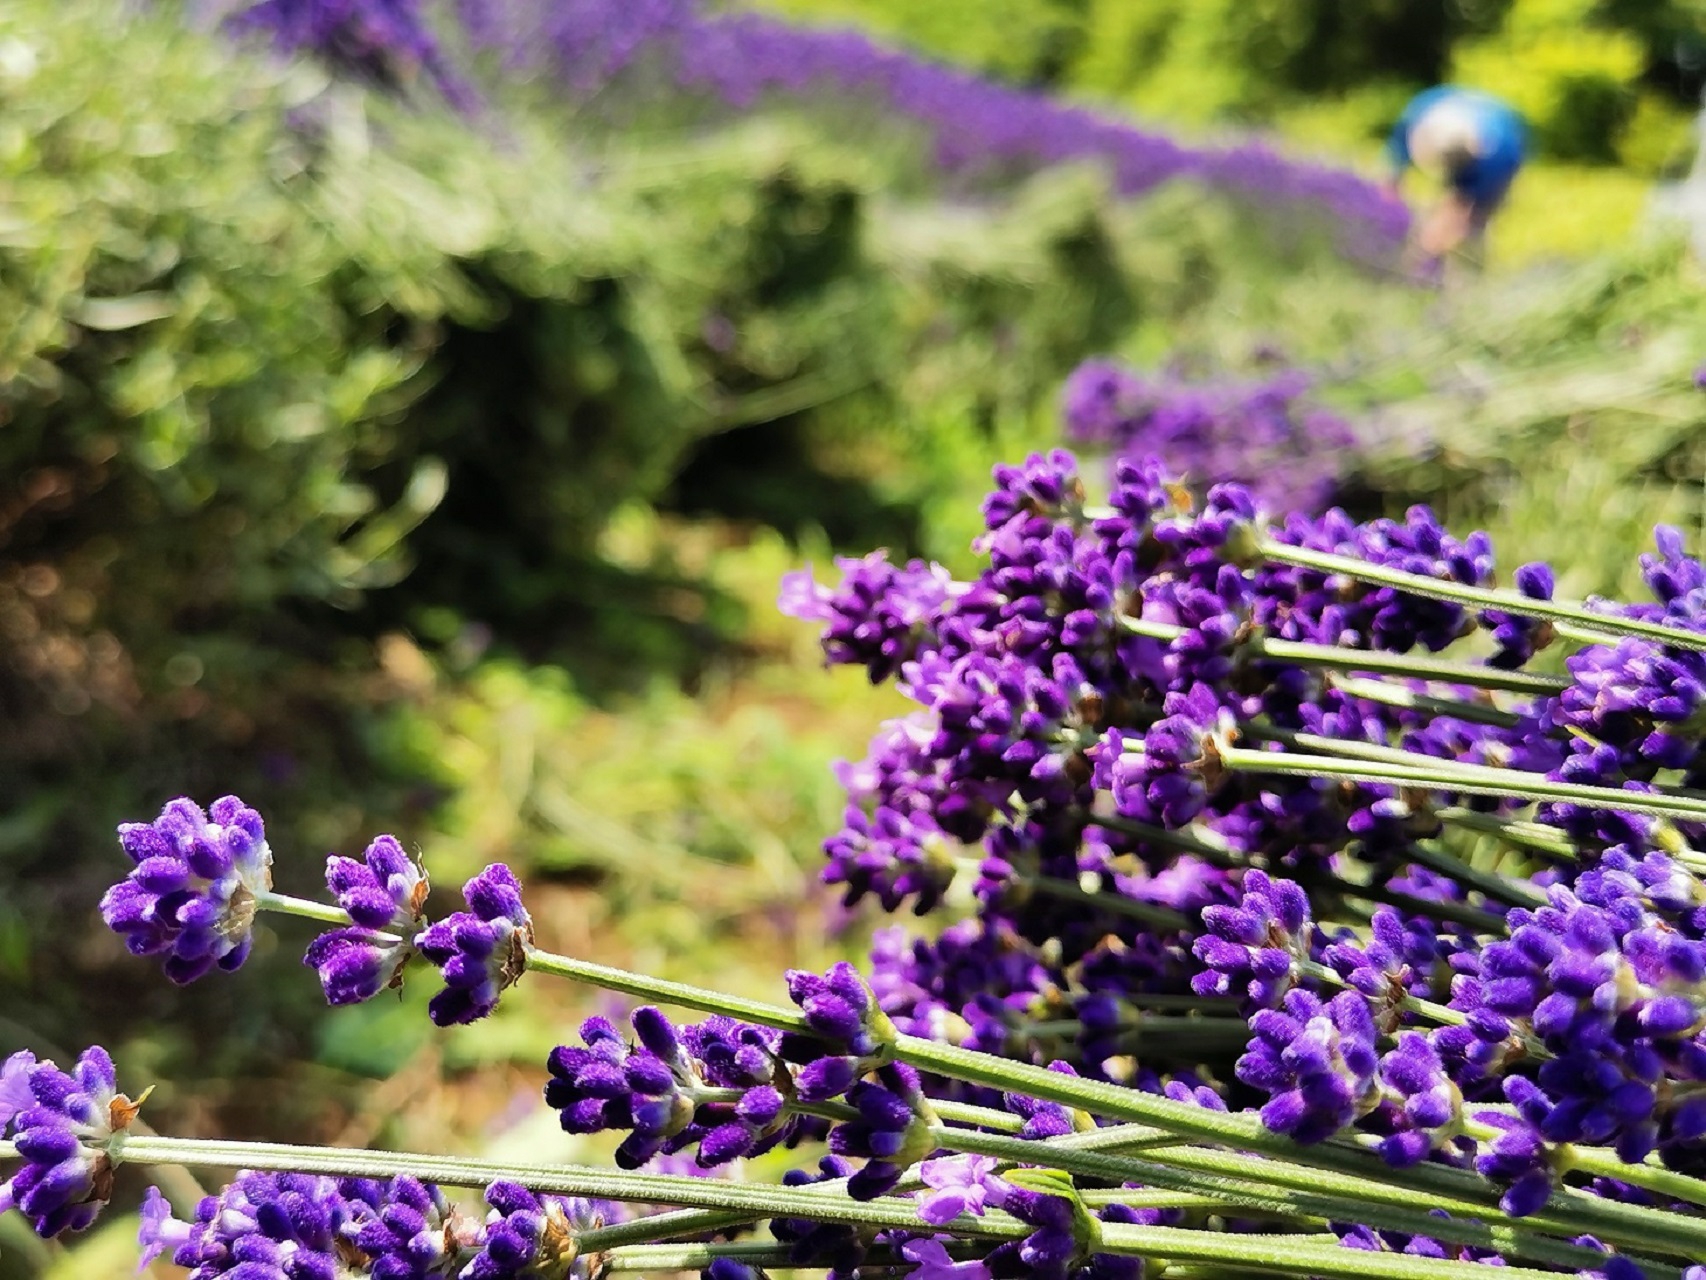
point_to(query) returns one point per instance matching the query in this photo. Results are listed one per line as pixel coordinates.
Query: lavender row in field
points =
(977, 127)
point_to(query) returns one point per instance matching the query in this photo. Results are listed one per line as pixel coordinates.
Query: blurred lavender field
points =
(409, 411)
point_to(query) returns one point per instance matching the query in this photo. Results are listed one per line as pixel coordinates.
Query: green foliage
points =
(1026, 41)
(1573, 79)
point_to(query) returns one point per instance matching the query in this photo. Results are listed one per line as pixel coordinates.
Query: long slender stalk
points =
(1430, 775)
(1244, 1131)
(1397, 695)
(1200, 846)
(1602, 625)
(1335, 658)
(1252, 1254)
(1282, 1254)
(758, 1200)
(1237, 1194)
(1149, 913)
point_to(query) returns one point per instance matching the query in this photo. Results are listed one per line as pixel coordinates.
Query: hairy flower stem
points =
(1309, 1255)
(1223, 856)
(1292, 1255)
(1497, 888)
(1601, 626)
(1397, 695)
(1334, 658)
(307, 908)
(663, 1258)
(1158, 917)
(1427, 773)
(1537, 837)
(753, 1200)
(1239, 1194)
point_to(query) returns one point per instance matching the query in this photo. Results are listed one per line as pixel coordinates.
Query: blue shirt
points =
(1499, 136)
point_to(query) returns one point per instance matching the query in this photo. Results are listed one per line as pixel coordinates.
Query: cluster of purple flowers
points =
(321, 1228)
(63, 1124)
(1266, 434)
(1076, 703)
(68, 1127)
(194, 891)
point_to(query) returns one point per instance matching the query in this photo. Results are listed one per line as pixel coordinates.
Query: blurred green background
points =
(401, 470)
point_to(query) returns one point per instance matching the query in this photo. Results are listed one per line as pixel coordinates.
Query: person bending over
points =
(1474, 144)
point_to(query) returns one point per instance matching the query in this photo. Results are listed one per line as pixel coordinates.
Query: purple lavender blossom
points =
(1607, 984)
(406, 1228)
(480, 951)
(527, 1234)
(669, 1092)
(892, 843)
(1397, 960)
(62, 1124)
(843, 1015)
(932, 1262)
(840, 1246)
(1429, 1106)
(893, 1130)
(193, 893)
(1050, 1250)
(1250, 949)
(1262, 434)
(1317, 1062)
(1167, 782)
(874, 618)
(1519, 1158)
(385, 898)
(1305, 604)
(958, 1184)
(1520, 638)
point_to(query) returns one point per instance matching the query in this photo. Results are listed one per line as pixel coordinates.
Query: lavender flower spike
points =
(385, 897)
(62, 1125)
(480, 951)
(191, 896)
(842, 1012)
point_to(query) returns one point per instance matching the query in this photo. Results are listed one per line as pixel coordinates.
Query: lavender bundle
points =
(1287, 946)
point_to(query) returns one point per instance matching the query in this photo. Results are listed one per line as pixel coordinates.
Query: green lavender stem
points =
(1429, 774)
(1271, 1255)
(1281, 1254)
(307, 908)
(1238, 1194)
(1268, 1255)
(1397, 695)
(754, 1200)
(1200, 845)
(1335, 658)
(1600, 625)
(1157, 917)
